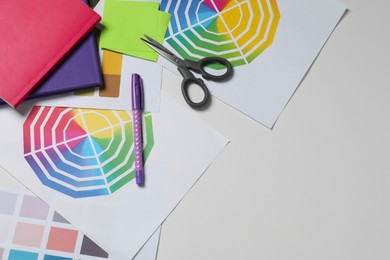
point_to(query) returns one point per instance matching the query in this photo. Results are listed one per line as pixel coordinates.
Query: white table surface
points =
(315, 187)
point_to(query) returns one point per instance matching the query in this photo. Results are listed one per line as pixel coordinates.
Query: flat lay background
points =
(317, 186)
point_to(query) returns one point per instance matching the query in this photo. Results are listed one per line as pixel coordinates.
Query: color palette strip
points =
(112, 74)
(83, 152)
(238, 30)
(31, 230)
(112, 70)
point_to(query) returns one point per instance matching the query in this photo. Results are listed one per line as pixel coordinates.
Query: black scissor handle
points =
(200, 67)
(186, 83)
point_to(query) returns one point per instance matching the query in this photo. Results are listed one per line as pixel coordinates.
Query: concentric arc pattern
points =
(82, 152)
(238, 30)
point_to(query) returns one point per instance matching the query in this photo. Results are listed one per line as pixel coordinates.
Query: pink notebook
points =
(35, 36)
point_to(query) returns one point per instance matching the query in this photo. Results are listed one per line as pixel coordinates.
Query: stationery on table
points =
(271, 44)
(184, 67)
(87, 164)
(36, 36)
(117, 70)
(81, 163)
(31, 229)
(79, 70)
(137, 97)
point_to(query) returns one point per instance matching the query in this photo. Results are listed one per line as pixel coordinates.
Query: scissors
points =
(184, 66)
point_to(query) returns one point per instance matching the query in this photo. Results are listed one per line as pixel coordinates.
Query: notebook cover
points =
(35, 36)
(79, 70)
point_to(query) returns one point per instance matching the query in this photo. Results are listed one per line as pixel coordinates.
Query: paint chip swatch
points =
(62, 239)
(33, 207)
(90, 248)
(27, 234)
(7, 202)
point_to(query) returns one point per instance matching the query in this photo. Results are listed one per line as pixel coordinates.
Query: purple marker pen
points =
(137, 95)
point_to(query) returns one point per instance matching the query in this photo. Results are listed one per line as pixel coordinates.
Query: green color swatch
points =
(125, 22)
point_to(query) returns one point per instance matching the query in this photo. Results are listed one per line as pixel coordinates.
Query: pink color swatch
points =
(61, 239)
(33, 207)
(28, 234)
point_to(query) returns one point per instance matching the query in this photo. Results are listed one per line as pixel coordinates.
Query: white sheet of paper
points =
(150, 248)
(123, 221)
(262, 88)
(17, 212)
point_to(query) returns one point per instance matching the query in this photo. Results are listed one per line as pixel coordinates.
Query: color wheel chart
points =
(83, 152)
(238, 30)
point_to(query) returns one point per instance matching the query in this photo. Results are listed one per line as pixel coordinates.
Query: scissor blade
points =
(157, 44)
(162, 50)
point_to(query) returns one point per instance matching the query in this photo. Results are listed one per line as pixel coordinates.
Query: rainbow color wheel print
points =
(238, 30)
(83, 152)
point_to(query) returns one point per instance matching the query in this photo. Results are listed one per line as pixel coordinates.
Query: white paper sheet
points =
(262, 88)
(121, 222)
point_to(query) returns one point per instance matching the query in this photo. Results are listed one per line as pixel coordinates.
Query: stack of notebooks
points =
(46, 48)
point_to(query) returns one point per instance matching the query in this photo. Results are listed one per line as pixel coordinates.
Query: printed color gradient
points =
(238, 30)
(83, 152)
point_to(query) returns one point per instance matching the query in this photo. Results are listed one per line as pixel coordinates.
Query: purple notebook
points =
(79, 70)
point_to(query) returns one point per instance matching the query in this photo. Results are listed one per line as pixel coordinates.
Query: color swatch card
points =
(35, 37)
(271, 44)
(125, 22)
(81, 162)
(32, 230)
(116, 90)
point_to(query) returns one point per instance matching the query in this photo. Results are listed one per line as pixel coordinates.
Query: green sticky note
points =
(125, 22)
(163, 21)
